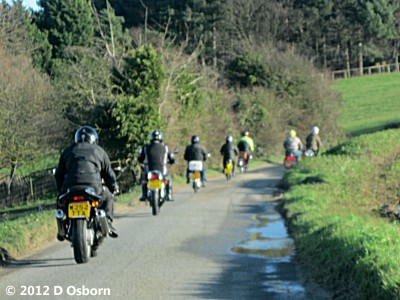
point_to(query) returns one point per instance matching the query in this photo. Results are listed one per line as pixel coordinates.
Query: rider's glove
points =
(116, 189)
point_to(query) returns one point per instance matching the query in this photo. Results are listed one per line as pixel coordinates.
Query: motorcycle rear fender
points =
(88, 193)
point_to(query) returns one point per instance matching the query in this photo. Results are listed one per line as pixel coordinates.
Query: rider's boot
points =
(144, 193)
(112, 231)
(169, 193)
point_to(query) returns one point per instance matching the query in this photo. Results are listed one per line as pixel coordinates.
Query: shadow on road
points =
(39, 263)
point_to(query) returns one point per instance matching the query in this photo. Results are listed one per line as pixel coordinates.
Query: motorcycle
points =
(195, 167)
(156, 190)
(82, 222)
(291, 159)
(228, 169)
(242, 161)
(309, 153)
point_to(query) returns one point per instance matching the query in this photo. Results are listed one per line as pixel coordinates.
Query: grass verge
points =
(330, 206)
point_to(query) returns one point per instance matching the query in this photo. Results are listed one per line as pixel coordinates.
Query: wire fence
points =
(37, 185)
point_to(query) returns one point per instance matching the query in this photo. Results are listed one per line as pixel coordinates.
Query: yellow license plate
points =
(79, 210)
(154, 184)
(228, 169)
(195, 175)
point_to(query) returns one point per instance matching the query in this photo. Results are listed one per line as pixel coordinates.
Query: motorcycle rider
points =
(155, 156)
(85, 164)
(229, 150)
(293, 145)
(195, 151)
(246, 145)
(313, 140)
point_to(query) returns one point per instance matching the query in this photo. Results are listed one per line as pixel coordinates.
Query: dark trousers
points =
(225, 162)
(108, 204)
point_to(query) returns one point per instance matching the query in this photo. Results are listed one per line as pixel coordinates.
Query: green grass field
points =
(370, 102)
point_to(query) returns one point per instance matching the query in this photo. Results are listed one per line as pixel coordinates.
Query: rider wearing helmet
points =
(155, 156)
(293, 145)
(85, 164)
(313, 141)
(228, 151)
(245, 146)
(195, 151)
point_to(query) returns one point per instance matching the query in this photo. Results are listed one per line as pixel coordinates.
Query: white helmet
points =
(315, 130)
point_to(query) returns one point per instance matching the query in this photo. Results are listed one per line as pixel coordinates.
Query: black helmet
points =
(245, 133)
(229, 138)
(156, 135)
(195, 139)
(86, 134)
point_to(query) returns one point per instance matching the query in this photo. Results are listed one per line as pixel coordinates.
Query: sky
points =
(28, 3)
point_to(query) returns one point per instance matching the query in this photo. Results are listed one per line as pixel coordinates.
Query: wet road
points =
(225, 242)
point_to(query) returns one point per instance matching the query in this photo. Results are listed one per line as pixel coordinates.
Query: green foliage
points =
(337, 236)
(188, 95)
(247, 70)
(137, 110)
(143, 73)
(110, 36)
(137, 117)
(68, 23)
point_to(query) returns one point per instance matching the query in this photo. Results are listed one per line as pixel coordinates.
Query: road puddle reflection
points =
(269, 239)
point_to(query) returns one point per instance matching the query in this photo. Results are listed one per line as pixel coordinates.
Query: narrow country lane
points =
(225, 242)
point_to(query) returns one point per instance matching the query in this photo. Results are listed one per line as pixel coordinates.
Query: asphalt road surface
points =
(225, 242)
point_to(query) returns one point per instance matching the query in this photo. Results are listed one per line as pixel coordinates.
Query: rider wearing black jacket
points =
(156, 155)
(195, 151)
(84, 164)
(229, 150)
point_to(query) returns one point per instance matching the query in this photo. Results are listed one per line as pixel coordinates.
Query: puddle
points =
(269, 240)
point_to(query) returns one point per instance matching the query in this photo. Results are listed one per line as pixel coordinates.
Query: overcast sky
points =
(28, 3)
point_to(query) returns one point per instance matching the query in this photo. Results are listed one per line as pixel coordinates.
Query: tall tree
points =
(27, 120)
(137, 110)
(68, 23)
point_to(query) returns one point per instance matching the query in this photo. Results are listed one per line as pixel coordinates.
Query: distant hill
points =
(371, 103)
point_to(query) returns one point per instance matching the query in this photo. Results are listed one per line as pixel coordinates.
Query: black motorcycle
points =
(82, 222)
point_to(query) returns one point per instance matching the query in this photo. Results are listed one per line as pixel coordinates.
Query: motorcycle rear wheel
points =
(80, 243)
(195, 187)
(154, 202)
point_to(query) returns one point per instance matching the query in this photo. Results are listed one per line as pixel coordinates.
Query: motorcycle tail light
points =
(95, 203)
(78, 198)
(154, 176)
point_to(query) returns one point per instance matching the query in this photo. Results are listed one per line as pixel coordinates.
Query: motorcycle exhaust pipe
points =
(61, 217)
(101, 217)
(60, 214)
